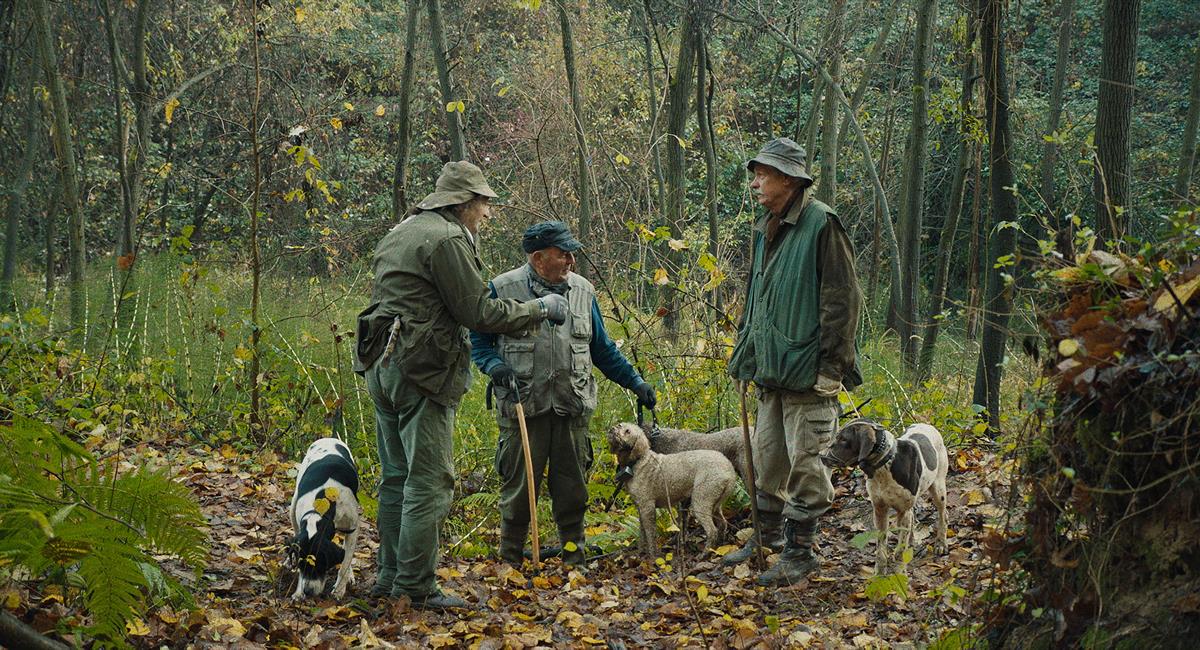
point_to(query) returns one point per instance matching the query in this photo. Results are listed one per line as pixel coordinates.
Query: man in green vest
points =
(552, 371)
(796, 342)
(413, 350)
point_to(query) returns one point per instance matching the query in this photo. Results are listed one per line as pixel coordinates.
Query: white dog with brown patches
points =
(663, 480)
(898, 472)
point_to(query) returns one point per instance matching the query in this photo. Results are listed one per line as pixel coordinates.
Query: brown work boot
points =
(772, 536)
(798, 559)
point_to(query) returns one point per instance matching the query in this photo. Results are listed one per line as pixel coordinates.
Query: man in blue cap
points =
(552, 370)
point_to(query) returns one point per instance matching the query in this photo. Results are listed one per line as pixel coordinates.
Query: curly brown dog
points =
(727, 441)
(663, 480)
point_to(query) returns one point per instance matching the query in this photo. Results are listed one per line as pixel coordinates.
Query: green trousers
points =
(556, 441)
(790, 433)
(415, 436)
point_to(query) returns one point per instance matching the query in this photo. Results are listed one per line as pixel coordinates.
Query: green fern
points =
(63, 513)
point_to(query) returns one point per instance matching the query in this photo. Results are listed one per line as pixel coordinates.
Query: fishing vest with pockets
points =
(554, 364)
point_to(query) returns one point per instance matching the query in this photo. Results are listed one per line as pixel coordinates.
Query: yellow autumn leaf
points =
(170, 107)
(975, 497)
(331, 493)
(348, 106)
(702, 593)
(301, 14)
(677, 244)
(570, 547)
(336, 122)
(660, 277)
(1068, 347)
(136, 627)
(321, 505)
(622, 159)
(380, 110)
(450, 106)
(460, 106)
(504, 91)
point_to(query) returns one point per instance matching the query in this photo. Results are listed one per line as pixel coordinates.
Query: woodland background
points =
(192, 191)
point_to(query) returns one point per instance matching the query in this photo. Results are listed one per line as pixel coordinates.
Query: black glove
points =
(645, 395)
(503, 375)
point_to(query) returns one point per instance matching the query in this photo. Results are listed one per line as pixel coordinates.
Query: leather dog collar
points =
(881, 454)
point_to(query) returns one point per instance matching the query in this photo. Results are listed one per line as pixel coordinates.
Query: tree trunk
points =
(49, 232)
(678, 96)
(827, 183)
(997, 306)
(873, 58)
(809, 138)
(652, 100)
(1187, 155)
(584, 186)
(64, 149)
(16, 200)
(905, 297)
(458, 147)
(130, 169)
(979, 242)
(1050, 146)
(400, 176)
(953, 212)
(1114, 110)
(704, 123)
(257, 431)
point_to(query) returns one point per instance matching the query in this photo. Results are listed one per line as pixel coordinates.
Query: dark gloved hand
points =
(503, 375)
(555, 307)
(645, 395)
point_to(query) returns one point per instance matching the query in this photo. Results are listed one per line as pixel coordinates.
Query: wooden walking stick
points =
(753, 487)
(529, 482)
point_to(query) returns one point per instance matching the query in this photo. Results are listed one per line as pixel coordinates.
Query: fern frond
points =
(113, 575)
(162, 510)
(487, 500)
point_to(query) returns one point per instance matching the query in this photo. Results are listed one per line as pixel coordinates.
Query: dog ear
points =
(865, 435)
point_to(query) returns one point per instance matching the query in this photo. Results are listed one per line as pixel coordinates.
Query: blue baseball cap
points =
(547, 234)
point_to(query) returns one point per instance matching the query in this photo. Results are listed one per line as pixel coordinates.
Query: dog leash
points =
(653, 432)
(856, 411)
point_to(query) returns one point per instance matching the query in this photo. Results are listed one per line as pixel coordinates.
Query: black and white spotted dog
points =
(898, 471)
(324, 511)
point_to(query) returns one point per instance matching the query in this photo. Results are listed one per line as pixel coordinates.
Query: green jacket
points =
(429, 289)
(802, 305)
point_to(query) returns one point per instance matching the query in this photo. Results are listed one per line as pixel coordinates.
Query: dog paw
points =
(941, 549)
(339, 592)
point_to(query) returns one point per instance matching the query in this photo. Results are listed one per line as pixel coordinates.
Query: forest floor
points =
(620, 600)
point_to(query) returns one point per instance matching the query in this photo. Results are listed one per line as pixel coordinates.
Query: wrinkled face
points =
(475, 212)
(315, 552)
(628, 443)
(852, 445)
(773, 188)
(553, 263)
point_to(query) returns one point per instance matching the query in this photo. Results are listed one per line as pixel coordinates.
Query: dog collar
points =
(881, 454)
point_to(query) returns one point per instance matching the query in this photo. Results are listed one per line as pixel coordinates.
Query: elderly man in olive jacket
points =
(797, 344)
(414, 352)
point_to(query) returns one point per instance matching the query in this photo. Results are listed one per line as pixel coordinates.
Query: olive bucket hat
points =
(786, 156)
(459, 182)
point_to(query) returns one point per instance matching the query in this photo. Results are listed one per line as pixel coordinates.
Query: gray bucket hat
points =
(459, 182)
(786, 156)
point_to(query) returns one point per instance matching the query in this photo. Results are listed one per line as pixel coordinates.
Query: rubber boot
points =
(798, 559)
(512, 543)
(772, 535)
